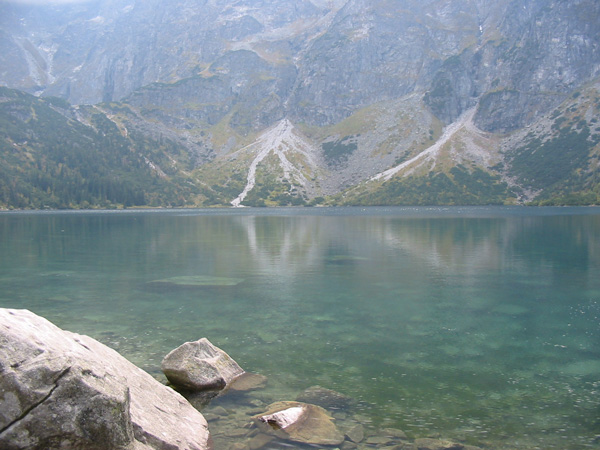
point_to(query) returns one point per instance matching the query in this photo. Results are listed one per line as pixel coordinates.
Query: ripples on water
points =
(477, 324)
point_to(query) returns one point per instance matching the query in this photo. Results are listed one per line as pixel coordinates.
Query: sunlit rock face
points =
(63, 390)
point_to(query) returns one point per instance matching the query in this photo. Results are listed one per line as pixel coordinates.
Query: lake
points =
(476, 324)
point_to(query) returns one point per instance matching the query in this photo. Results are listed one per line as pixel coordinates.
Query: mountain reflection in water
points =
(476, 324)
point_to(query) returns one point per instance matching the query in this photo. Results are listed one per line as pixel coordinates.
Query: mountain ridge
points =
(369, 87)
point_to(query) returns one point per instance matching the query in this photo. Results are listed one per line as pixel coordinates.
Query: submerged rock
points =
(244, 383)
(379, 440)
(197, 281)
(63, 390)
(326, 398)
(300, 422)
(437, 444)
(259, 441)
(395, 432)
(248, 382)
(356, 433)
(199, 366)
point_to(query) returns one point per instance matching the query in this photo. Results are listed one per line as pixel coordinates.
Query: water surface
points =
(475, 324)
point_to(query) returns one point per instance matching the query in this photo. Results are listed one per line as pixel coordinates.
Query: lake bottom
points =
(480, 327)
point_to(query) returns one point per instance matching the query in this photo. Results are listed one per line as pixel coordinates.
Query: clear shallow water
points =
(478, 324)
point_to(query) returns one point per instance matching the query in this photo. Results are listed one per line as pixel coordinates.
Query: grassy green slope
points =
(459, 186)
(560, 159)
(50, 160)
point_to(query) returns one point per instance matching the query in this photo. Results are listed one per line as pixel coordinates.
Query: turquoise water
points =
(474, 324)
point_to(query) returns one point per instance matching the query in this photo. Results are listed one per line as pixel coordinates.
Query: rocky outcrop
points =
(300, 422)
(63, 390)
(199, 366)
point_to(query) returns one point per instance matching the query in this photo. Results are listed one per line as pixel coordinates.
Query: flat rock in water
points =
(63, 390)
(356, 433)
(199, 365)
(395, 432)
(300, 422)
(326, 398)
(437, 444)
(378, 440)
(197, 281)
(248, 382)
(259, 441)
(510, 309)
(345, 259)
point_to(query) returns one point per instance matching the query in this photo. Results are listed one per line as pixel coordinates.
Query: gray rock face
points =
(63, 390)
(527, 58)
(325, 59)
(239, 84)
(199, 366)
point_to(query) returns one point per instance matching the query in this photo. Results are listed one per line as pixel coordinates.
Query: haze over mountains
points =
(201, 103)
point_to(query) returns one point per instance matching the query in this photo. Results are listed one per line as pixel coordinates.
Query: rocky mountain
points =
(324, 102)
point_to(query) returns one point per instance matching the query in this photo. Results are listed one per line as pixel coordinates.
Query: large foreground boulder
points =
(60, 390)
(199, 365)
(300, 422)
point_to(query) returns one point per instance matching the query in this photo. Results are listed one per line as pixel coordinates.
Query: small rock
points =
(248, 382)
(199, 366)
(238, 446)
(395, 432)
(237, 433)
(255, 410)
(437, 444)
(256, 402)
(253, 432)
(356, 433)
(326, 398)
(378, 440)
(362, 419)
(211, 417)
(201, 399)
(339, 415)
(300, 422)
(259, 441)
(219, 411)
